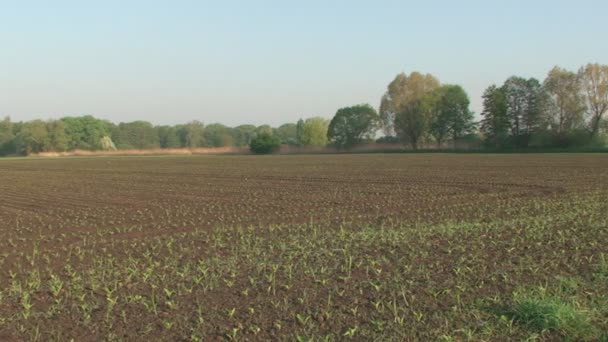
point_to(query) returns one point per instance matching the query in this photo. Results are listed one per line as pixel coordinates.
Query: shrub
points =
(265, 143)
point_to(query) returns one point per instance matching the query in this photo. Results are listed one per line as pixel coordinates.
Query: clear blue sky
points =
(272, 62)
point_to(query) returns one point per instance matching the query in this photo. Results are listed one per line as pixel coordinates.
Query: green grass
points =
(566, 309)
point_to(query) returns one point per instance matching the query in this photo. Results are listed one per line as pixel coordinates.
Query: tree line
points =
(90, 133)
(567, 109)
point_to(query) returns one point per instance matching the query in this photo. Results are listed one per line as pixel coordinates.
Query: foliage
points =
(567, 110)
(314, 132)
(450, 114)
(135, 135)
(594, 84)
(523, 99)
(288, 133)
(265, 143)
(402, 92)
(169, 136)
(41, 136)
(560, 312)
(193, 134)
(388, 140)
(243, 134)
(85, 132)
(495, 123)
(7, 137)
(353, 125)
(217, 135)
(412, 123)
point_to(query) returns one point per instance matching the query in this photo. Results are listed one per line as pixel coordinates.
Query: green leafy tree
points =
(523, 98)
(403, 91)
(353, 125)
(565, 106)
(495, 124)
(85, 132)
(594, 82)
(32, 137)
(264, 129)
(314, 132)
(57, 140)
(135, 135)
(168, 136)
(243, 134)
(288, 133)
(299, 131)
(412, 123)
(265, 143)
(218, 135)
(7, 137)
(450, 114)
(192, 134)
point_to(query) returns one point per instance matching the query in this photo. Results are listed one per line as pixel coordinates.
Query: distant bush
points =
(388, 140)
(265, 143)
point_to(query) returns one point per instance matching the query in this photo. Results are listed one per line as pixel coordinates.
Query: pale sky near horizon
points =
(238, 62)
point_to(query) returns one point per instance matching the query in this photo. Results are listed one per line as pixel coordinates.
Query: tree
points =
(299, 131)
(495, 124)
(135, 135)
(565, 106)
(448, 107)
(192, 134)
(168, 136)
(288, 133)
(218, 135)
(7, 137)
(265, 143)
(243, 134)
(57, 140)
(32, 138)
(352, 125)
(412, 123)
(523, 98)
(85, 132)
(314, 132)
(594, 82)
(401, 92)
(264, 129)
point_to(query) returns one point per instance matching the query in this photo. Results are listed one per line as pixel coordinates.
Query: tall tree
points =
(32, 137)
(594, 81)
(523, 98)
(135, 135)
(299, 131)
(412, 123)
(243, 134)
(288, 133)
(168, 136)
(57, 139)
(495, 124)
(7, 137)
(314, 132)
(448, 107)
(352, 125)
(192, 134)
(565, 106)
(402, 91)
(85, 132)
(218, 135)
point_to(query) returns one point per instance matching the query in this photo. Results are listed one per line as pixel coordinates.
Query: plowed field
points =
(317, 247)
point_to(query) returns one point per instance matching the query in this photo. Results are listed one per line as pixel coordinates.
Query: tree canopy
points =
(353, 125)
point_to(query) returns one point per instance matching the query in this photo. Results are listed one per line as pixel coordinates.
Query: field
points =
(428, 247)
